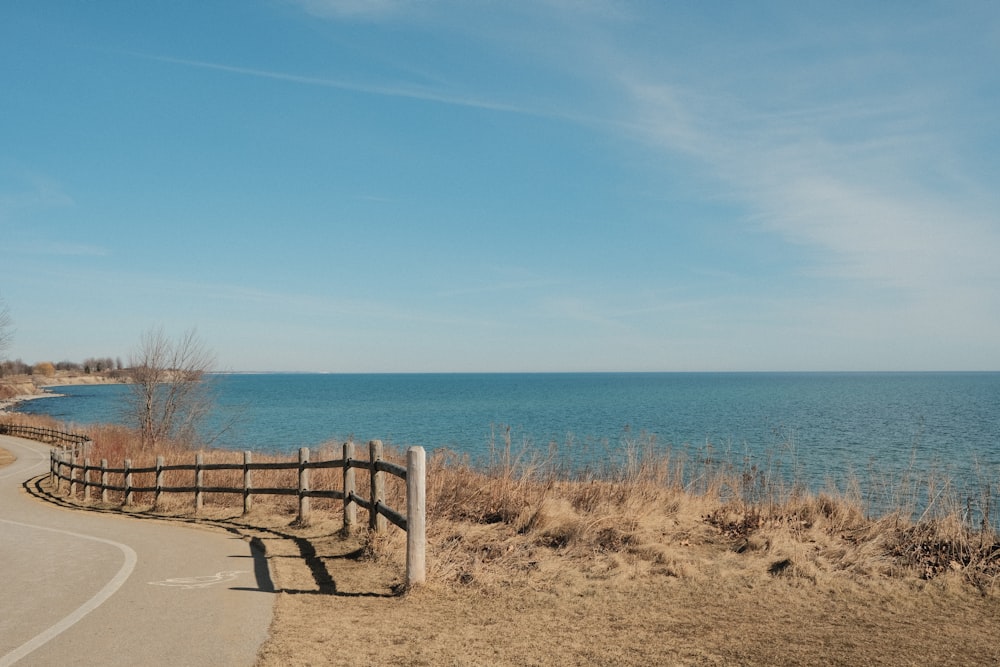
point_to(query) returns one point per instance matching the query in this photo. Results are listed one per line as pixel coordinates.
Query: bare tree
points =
(6, 330)
(169, 397)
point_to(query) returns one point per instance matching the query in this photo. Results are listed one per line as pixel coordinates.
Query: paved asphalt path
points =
(88, 588)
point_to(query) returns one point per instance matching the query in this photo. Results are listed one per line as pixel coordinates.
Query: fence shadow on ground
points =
(259, 538)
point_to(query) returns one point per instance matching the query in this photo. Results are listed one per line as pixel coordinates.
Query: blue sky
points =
(353, 186)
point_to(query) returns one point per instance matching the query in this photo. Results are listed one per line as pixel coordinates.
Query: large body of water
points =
(829, 426)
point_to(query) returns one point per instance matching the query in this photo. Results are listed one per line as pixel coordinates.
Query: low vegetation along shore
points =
(24, 387)
(657, 562)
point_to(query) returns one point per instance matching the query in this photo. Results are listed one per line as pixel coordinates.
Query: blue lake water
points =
(827, 426)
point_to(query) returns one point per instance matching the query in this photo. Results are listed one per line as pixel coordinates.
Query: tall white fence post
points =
(416, 516)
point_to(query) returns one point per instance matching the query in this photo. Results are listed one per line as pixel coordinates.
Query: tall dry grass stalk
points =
(655, 503)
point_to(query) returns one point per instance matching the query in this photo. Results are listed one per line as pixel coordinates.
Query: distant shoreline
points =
(7, 405)
(28, 388)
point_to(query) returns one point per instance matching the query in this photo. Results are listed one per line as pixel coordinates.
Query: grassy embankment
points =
(662, 560)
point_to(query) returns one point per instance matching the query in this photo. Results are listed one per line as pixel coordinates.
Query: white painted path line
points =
(90, 605)
(18, 470)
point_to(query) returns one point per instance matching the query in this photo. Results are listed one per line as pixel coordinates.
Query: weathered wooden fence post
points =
(104, 481)
(247, 483)
(72, 473)
(64, 462)
(376, 521)
(87, 446)
(159, 482)
(86, 480)
(303, 486)
(416, 516)
(128, 482)
(53, 477)
(199, 461)
(350, 507)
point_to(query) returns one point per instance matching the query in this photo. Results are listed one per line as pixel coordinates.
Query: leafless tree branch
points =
(6, 328)
(169, 397)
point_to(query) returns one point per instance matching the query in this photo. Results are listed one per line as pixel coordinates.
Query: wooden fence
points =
(69, 462)
(51, 436)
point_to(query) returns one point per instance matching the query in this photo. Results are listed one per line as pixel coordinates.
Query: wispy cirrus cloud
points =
(410, 91)
(63, 249)
(379, 9)
(383, 9)
(863, 199)
(498, 287)
(28, 190)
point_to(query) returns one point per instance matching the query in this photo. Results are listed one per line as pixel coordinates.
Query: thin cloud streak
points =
(407, 92)
(61, 249)
(351, 8)
(499, 287)
(37, 192)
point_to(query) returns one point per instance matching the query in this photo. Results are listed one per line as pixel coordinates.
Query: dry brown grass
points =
(41, 421)
(648, 564)
(530, 569)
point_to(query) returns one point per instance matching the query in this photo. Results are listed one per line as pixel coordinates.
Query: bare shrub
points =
(169, 397)
(6, 328)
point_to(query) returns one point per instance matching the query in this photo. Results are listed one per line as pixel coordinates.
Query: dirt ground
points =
(334, 609)
(631, 622)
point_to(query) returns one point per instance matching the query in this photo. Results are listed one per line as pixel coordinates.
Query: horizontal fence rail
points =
(70, 463)
(48, 435)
